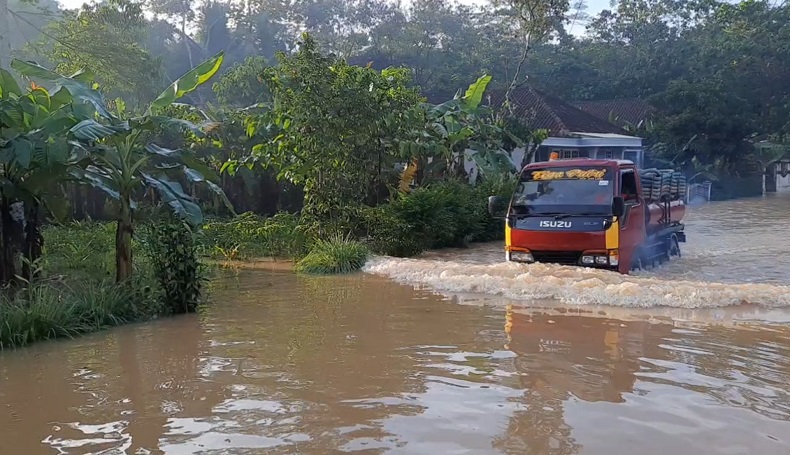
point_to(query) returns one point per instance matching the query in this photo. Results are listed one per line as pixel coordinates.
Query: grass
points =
(334, 256)
(80, 251)
(250, 236)
(49, 311)
(77, 293)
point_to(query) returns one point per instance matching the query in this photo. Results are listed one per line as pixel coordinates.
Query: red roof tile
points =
(543, 111)
(624, 112)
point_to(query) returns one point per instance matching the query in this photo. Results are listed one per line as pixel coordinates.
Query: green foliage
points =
(251, 236)
(456, 129)
(334, 256)
(120, 159)
(49, 311)
(242, 85)
(36, 156)
(331, 127)
(449, 214)
(172, 249)
(187, 83)
(107, 38)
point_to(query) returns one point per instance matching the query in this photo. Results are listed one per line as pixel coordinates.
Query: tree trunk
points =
(78, 204)
(529, 152)
(7, 265)
(123, 243)
(34, 243)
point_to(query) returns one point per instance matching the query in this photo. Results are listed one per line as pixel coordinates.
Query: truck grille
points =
(557, 257)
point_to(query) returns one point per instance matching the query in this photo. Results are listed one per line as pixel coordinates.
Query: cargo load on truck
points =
(664, 191)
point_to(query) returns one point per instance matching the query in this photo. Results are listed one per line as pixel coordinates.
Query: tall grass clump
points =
(49, 311)
(333, 256)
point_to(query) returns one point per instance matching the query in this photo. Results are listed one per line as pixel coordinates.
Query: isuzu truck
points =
(593, 213)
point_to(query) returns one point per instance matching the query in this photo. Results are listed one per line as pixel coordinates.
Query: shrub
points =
(337, 255)
(49, 311)
(172, 250)
(449, 214)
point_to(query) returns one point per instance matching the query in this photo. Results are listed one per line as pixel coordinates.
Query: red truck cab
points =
(589, 213)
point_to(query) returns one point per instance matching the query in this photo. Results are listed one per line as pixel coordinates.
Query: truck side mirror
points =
(618, 206)
(497, 206)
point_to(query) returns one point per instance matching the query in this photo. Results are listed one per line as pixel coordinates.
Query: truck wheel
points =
(673, 248)
(637, 261)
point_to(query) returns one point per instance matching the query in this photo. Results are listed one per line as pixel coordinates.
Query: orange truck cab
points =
(588, 213)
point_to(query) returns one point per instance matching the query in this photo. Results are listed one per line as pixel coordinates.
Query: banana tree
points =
(35, 156)
(123, 160)
(455, 126)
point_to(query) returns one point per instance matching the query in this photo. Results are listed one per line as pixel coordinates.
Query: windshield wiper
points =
(562, 215)
(590, 214)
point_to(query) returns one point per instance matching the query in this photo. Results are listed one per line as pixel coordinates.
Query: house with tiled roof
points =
(573, 133)
(622, 112)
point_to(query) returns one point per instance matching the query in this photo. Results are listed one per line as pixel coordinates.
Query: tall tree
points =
(332, 127)
(106, 37)
(533, 22)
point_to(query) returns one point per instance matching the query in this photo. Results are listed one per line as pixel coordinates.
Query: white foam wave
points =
(573, 285)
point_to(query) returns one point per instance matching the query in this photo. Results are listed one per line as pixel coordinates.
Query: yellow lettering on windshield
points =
(547, 175)
(577, 174)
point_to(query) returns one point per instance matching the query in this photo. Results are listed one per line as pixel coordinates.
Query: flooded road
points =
(363, 364)
(738, 252)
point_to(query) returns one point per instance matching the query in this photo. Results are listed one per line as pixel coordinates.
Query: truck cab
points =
(585, 212)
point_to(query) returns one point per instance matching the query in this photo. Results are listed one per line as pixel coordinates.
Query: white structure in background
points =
(576, 145)
(698, 193)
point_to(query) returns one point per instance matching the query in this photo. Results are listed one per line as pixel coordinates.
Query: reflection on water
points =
(285, 364)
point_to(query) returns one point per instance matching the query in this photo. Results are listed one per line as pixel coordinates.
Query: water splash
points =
(573, 285)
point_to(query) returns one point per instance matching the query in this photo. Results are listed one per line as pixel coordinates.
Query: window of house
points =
(628, 187)
(606, 153)
(569, 153)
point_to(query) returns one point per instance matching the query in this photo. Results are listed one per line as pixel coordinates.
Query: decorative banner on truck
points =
(571, 174)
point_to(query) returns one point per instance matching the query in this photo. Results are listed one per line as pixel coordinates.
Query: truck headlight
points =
(588, 260)
(520, 256)
(601, 260)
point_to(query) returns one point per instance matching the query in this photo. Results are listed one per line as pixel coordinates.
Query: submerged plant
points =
(49, 311)
(336, 255)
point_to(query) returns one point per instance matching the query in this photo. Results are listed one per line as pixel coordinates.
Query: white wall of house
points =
(775, 171)
(782, 183)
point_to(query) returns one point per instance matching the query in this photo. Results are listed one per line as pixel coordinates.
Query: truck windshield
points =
(564, 190)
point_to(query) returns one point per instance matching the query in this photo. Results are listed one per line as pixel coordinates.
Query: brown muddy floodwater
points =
(482, 358)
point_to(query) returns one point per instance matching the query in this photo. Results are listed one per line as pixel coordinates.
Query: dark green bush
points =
(449, 214)
(172, 250)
